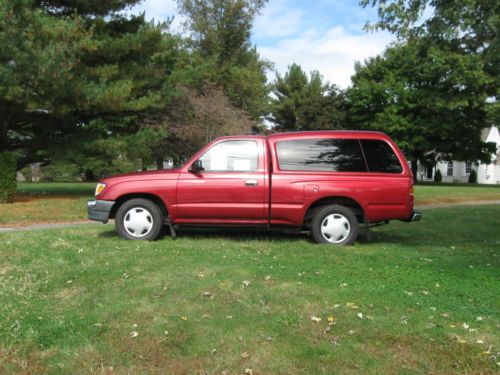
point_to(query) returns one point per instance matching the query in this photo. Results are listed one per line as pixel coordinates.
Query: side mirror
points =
(197, 167)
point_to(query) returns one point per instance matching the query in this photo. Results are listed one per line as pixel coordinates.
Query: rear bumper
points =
(415, 216)
(99, 210)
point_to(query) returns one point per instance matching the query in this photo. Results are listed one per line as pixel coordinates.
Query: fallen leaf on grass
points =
(360, 315)
(268, 277)
(246, 283)
(134, 334)
(351, 305)
(335, 341)
(315, 319)
(403, 320)
(479, 318)
(208, 295)
(248, 371)
(331, 319)
(184, 318)
(245, 355)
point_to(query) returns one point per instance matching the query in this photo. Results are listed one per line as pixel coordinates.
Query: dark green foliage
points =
(7, 177)
(305, 103)
(473, 177)
(223, 54)
(87, 7)
(74, 68)
(431, 99)
(470, 27)
(438, 177)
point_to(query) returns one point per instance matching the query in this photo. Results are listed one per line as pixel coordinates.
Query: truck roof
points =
(327, 133)
(315, 134)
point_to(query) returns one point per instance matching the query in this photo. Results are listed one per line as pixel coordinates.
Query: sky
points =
(323, 35)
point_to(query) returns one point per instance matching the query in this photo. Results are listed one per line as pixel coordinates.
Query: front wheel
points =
(334, 224)
(139, 219)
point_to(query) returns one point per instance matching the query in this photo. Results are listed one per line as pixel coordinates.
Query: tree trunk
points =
(414, 169)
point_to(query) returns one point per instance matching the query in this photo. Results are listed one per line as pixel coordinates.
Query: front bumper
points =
(99, 210)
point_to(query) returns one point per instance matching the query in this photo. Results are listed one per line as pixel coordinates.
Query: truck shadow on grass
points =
(273, 235)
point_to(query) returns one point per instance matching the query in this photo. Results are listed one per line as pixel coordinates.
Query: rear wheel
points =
(139, 219)
(334, 224)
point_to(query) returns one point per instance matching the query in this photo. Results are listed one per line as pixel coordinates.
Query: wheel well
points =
(157, 200)
(343, 201)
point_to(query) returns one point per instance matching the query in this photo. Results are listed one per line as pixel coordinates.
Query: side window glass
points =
(323, 155)
(380, 157)
(231, 156)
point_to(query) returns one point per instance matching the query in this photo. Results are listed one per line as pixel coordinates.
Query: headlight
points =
(99, 188)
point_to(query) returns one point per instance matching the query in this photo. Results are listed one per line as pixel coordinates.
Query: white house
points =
(459, 171)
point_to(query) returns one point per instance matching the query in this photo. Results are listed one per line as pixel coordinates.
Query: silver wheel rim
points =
(335, 228)
(138, 222)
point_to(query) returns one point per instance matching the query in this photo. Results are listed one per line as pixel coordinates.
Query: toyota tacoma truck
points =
(327, 183)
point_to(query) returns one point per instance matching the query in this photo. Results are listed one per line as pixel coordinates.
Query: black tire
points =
(347, 220)
(148, 214)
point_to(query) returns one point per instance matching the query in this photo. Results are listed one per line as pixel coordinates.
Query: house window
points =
(468, 167)
(449, 169)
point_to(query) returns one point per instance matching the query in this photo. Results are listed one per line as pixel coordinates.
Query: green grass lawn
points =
(46, 203)
(448, 193)
(420, 298)
(57, 188)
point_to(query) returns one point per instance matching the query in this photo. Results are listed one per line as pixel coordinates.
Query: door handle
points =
(251, 182)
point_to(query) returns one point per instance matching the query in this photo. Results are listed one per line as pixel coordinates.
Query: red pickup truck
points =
(325, 182)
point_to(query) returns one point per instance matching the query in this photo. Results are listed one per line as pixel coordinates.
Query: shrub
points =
(473, 177)
(438, 177)
(7, 177)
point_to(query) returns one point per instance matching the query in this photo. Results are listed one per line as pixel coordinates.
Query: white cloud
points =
(286, 33)
(333, 53)
(278, 19)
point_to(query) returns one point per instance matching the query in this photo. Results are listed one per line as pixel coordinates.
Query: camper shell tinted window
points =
(323, 155)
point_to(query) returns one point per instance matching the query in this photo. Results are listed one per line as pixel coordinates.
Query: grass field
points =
(60, 202)
(47, 203)
(425, 194)
(420, 298)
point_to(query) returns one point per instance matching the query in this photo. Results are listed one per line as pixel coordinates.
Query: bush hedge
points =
(438, 177)
(7, 177)
(473, 177)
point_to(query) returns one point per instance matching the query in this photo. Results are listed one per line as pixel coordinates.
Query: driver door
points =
(230, 188)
